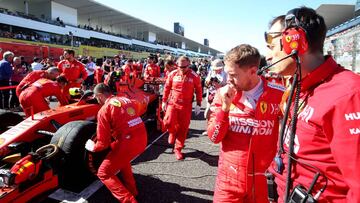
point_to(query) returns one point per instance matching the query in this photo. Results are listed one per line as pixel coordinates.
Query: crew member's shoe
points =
(171, 139)
(178, 154)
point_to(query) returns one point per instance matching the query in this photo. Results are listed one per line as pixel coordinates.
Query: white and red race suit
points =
(178, 94)
(248, 134)
(327, 135)
(119, 121)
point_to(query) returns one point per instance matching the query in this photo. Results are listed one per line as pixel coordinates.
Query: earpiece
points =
(295, 36)
(294, 39)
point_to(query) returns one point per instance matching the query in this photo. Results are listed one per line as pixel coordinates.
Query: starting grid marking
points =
(66, 196)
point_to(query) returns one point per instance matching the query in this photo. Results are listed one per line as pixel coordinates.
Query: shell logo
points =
(130, 111)
(294, 45)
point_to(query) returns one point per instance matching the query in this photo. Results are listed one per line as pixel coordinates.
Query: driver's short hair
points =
(102, 88)
(243, 55)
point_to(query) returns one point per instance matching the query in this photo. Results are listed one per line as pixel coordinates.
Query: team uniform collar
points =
(256, 88)
(319, 74)
(250, 93)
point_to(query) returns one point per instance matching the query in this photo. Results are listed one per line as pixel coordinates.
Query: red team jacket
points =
(152, 70)
(118, 119)
(128, 70)
(182, 87)
(327, 134)
(28, 80)
(248, 143)
(34, 96)
(45, 88)
(98, 75)
(72, 70)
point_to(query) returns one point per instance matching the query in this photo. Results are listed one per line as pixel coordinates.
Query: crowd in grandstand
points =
(31, 35)
(42, 18)
(97, 69)
(69, 39)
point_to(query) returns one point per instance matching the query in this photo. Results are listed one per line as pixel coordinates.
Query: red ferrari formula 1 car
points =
(46, 150)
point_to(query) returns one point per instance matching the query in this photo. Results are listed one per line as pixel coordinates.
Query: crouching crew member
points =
(51, 73)
(33, 98)
(118, 121)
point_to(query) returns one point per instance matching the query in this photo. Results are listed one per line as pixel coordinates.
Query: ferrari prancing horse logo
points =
(115, 102)
(288, 39)
(263, 107)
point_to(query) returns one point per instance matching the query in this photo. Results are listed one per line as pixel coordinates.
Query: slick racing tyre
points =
(8, 118)
(71, 139)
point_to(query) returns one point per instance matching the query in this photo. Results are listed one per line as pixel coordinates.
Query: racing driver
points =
(245, 119)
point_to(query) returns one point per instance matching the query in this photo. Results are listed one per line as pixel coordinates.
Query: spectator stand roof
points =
(336, 14)
(338, 17)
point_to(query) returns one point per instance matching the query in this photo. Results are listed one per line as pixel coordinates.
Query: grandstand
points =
(90, 28)
(343, 36)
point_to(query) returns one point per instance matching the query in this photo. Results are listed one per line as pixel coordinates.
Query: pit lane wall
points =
(30, 49)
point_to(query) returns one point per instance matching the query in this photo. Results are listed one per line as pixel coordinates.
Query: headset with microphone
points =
(295, 42)
(294, 38)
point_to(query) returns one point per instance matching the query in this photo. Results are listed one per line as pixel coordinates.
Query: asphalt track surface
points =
(159, 176)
